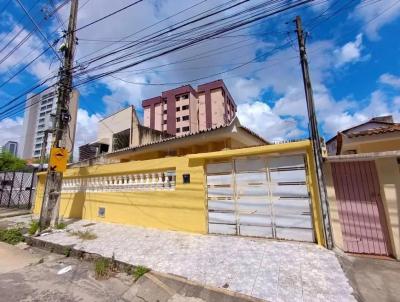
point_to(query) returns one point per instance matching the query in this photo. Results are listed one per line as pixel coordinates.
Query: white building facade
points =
(38, 118)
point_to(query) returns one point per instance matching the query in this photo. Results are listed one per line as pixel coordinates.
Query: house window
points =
(178, 108)
(185, 97)
(185, 107)
(185, 118)
(178, 130)
(185, 129)
(178, 119)
(165, 111)
(165, 122)
(121, 139)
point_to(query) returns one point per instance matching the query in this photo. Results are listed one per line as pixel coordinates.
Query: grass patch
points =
(139, 271)
(33, 227)
(102, 268)
(11, 236)
(61, 225)
(86, 235)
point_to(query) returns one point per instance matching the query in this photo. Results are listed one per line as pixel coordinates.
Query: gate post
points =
(30, 190)
(11, 189)
(20, 188)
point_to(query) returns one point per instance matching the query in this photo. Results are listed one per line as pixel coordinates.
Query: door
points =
(263, 197)
(361, 212)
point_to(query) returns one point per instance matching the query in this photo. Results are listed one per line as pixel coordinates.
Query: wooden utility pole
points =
(313, 129)
(51, 198)
(43, 150)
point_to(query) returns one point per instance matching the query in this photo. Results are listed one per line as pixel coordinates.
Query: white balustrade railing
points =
(155, 181)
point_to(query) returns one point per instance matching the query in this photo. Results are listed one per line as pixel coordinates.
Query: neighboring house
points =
(11, 147)
(155, 144)
(224, 137)
(38, 118)
(376, 135)
(185, 110)
(119, 131)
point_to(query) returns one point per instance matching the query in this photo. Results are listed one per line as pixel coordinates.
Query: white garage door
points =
(264, 197)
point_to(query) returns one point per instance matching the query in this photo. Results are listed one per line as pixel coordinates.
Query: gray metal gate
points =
(263, 197)
(17, 189)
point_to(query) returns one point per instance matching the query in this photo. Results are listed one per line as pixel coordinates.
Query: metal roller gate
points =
(263, 197)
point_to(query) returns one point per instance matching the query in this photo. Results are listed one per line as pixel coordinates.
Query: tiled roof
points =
(191, 135)
(380, 130)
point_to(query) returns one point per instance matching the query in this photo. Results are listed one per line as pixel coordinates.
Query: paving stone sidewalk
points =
(266, 269)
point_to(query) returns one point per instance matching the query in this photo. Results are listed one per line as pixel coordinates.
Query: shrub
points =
(139, 271)
(11, 236)
(102, 268)
(33, 227)
(61, 225)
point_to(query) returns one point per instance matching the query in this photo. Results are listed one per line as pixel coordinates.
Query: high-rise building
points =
(38, 118)
(185, 110)
(11, 147)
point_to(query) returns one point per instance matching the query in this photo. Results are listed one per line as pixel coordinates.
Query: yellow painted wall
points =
(333, 207)
(379, 146)
(183, 209)
(389, 179)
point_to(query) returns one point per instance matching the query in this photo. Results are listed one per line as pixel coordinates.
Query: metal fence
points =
(17, 189)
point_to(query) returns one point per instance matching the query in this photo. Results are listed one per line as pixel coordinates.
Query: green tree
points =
(9, 162)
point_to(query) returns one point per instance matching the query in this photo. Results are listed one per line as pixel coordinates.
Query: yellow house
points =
(225, 180)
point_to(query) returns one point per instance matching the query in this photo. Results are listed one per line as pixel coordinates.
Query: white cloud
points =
(390, 80)
(11, 130)
(350, 52)
(30, 49)
(86, 129)
(376, 15)
(259, 117)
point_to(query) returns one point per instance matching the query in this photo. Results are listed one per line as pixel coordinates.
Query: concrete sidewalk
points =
(373, 279)
(266, 269)
(35, 275)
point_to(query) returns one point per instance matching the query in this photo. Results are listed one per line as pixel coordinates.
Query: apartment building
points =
(38, 118)
(185, 110)
(11, 147)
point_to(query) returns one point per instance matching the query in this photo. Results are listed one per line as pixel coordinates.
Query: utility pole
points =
(313, 129)
(43, 150)
(51, 198)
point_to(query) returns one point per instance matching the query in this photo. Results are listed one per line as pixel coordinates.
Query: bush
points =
(102, 268)
(11, 236)
(33, 227)
(61, 225)
(139, 271)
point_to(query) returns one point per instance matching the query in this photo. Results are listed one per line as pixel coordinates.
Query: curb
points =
(70, 251)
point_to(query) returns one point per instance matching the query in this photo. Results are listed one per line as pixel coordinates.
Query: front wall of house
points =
(379, 146)
(182, 209)
(388, 171)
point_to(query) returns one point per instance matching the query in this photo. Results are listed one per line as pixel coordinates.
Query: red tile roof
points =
(380, 130)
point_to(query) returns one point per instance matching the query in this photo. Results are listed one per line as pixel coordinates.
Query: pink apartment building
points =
(185, 110)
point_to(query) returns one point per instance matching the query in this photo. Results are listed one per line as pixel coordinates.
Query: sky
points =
(353, 50)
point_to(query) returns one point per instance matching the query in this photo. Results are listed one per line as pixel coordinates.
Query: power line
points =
(226, 29)
(109, 15)
(39, 30)
(25, 67)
